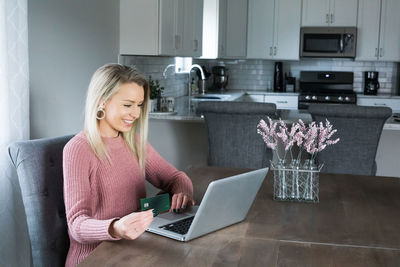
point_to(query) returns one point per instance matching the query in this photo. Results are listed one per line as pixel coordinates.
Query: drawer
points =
(282, 102)
(394, 104)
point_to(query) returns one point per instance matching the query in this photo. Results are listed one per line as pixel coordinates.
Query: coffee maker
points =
(220, 78)
(371, 84)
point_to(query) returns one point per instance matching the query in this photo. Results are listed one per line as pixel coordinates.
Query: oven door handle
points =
(341, 43)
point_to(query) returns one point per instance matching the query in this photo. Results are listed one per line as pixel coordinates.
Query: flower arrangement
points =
(293, 181)
(312, 138)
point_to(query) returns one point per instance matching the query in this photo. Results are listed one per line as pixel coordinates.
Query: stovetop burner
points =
(326, 87)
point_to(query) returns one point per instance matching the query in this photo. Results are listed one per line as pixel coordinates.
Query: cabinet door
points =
(287, 29)
(233, 28)
(260, 29)
(134, 38)
(343, 13)
(192, 28)
(368, 29)
(389, 41)
(315, 13)
(170, 37)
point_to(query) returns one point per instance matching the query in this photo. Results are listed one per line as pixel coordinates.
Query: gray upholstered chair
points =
(232, 133)
(359, 129)
(39, 168)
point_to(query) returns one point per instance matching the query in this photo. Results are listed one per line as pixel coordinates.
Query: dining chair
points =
(232, 133)
(359, 129)
(39, 168)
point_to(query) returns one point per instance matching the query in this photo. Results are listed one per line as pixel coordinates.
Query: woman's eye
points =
(127, 105)
(141, 104)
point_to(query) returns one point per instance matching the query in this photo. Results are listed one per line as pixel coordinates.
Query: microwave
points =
(328, 42)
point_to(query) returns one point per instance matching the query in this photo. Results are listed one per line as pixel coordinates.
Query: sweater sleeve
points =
(163, 175)
(77, 195)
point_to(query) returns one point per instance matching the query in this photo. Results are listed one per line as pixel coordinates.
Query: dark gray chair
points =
(232, 133)
(39, 168)
(359, 129)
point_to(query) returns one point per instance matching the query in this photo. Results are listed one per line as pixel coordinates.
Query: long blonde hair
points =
(104, 84)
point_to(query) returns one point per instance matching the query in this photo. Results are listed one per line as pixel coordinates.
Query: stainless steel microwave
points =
(328, 42)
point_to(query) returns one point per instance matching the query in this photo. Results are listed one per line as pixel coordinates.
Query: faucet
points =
(165, 70)
(202, 76)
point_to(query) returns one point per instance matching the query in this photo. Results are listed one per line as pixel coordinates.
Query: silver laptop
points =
(225, 202)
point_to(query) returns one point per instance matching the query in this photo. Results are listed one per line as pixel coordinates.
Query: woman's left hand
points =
(180, 202)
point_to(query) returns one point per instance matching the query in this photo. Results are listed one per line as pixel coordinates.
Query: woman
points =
(106, 164)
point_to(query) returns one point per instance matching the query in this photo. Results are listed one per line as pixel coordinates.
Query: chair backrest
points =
(232, 133)
(359, 129)
(39, 168)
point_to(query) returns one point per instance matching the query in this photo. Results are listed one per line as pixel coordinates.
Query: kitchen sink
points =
(207, 97)
(211, 97)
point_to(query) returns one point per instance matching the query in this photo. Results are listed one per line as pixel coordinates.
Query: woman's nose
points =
(135, 113)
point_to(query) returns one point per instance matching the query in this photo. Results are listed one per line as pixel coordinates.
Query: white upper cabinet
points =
(161, 27)
(274, 29)
(389, 39)
(134, 39)
(378, 36)
(224, 28)
(329, 13)
(232, 28)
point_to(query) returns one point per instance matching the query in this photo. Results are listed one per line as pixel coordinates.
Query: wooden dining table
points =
(355, 223)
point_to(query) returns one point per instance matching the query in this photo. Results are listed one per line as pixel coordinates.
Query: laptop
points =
(226, 202)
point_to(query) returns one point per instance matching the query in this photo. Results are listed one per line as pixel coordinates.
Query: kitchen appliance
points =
(371, 84)
(328, 42)
(329, 87)
(290, 83)
(278, 77)
(220, 78)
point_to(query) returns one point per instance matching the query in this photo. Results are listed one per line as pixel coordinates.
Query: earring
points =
(102, 113)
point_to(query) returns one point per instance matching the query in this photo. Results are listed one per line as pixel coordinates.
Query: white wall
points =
(68, 41)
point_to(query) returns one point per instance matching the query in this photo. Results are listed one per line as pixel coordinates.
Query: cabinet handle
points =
(332, 18)
(275, 50)
(327, 18)
(381, 52)
(376, 51)
(379, 104)
(270, 50)
(195, 45)
(177, 41)
(281, 102)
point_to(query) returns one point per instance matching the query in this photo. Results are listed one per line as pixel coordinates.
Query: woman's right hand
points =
(132, 225)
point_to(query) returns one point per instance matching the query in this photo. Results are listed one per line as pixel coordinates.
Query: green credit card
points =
(159, 203)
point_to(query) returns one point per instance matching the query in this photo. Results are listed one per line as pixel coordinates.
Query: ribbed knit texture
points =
(96, 193)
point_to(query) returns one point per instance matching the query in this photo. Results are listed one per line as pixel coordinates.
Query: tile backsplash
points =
(251, 74)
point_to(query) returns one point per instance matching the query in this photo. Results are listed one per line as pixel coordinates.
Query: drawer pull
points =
(281, 102)
(379, 104)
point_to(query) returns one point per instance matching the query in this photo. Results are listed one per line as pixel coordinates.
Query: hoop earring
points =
(102, 111)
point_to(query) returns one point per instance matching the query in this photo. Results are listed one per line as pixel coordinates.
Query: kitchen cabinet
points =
(377, 101)
(378, 36)
(329, 13)
(282, 101)
(274, 29)
(161, 27)
(225, 28)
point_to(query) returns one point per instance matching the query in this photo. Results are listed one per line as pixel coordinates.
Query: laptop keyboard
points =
(180, 227)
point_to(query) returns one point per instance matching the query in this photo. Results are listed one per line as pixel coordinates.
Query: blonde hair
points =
(104, 84)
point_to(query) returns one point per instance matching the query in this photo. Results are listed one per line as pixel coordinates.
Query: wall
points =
(256, 74)
(68, 41)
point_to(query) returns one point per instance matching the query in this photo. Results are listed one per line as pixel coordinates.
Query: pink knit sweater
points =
(96, 193)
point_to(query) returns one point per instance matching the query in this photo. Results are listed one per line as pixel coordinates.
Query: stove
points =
(329, 87)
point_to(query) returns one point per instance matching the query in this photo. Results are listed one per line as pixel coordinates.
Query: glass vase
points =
(296, 182)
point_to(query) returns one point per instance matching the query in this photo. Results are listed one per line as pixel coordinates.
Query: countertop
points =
(186, 108)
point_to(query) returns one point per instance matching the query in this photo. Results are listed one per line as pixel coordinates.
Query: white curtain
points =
(14, 126)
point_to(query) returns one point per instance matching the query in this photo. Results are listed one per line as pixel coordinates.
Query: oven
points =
(326, 87)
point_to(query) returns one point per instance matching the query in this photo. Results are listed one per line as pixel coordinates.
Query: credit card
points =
(159, 203)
